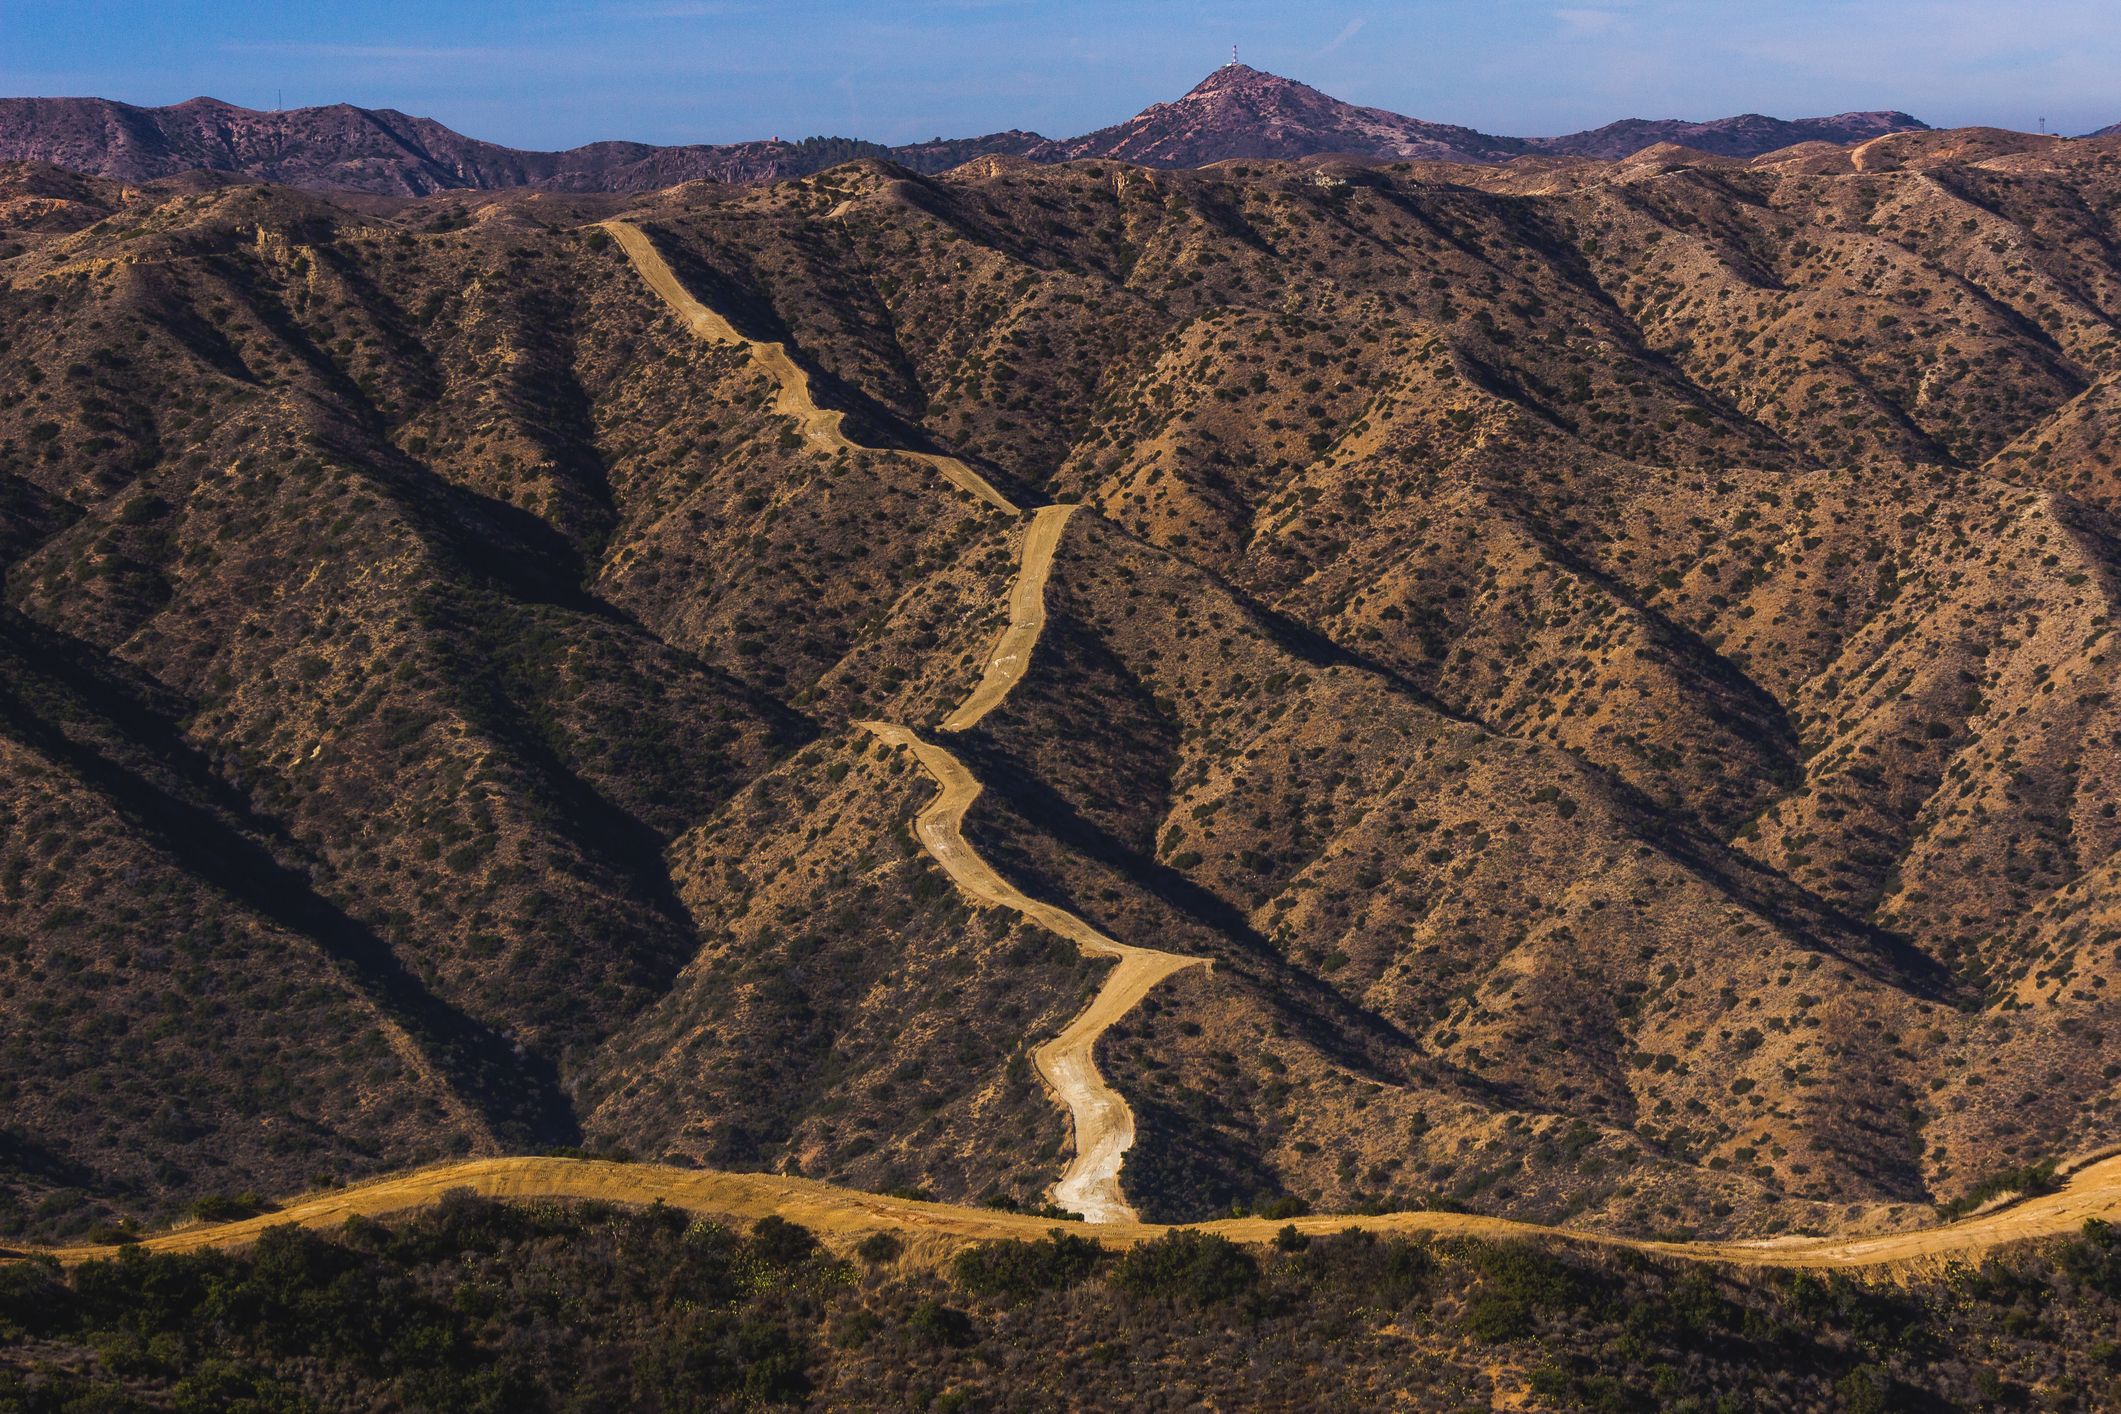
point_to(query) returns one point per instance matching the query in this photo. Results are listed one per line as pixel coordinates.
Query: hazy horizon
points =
(553, 75)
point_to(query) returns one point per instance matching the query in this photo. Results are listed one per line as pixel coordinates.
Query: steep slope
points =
(1609, 660)
(1178, 426)
(1102, 1126)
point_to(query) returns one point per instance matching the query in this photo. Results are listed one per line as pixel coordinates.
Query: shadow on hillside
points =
(206, 831)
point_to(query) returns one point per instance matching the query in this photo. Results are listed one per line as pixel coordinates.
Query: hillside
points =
(1237, 111)
(1609, 662)
(532, 1307)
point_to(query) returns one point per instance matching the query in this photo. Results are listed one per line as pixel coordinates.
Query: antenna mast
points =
(1233, 56)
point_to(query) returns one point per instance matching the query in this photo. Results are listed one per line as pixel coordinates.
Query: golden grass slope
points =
(844, 1216)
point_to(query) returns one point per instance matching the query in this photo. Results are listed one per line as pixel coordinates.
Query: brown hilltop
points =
(1615, 676)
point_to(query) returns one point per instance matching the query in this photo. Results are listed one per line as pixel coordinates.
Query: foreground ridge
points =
(1099, 1116)
(845, 1215)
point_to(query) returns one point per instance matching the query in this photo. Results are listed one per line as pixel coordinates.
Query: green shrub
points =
(933, 1323)
(1384, 1272)
(1190, 1266)
(1868, 1389)
(2027, 1182)
(1492, 1318)
(142, 509)
(781, 1242)
(2094, 1259)
(220, 1208)
(879, 1247)
(1518, 1282)
(1018, 1271)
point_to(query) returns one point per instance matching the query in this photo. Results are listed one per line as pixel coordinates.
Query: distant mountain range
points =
(1235, 112)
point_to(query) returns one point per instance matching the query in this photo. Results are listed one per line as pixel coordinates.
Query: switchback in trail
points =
(1104, 1126)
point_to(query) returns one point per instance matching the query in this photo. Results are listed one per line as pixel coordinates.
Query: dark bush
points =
(1018, 1271)
(34, 1299)
(1869, 1389)
(1383, 1272)
(221, 1208)
(2094, 1259)
(878, 1248)
(783, 1243)
(1518, 1282)
(2028, 1181)
(933, 1323)
(704, 1355)
(1187, 1266)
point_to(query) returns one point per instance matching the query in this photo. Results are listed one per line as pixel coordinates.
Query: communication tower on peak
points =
(1233, 58)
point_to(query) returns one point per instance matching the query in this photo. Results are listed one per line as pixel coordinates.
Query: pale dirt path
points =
(823, 427)
(933, 1230)
(1027, 619)
(1104, 1126)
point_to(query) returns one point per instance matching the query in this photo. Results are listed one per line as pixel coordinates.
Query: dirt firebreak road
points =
(1103, 1126)
(844, 1216)
(824, 427)
(1101, 1123)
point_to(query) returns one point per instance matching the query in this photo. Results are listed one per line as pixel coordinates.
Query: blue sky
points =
(551, 73)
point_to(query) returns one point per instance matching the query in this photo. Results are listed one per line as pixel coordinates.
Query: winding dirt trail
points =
(1100, 1119)
(1027, 619)
(1104, 1126)
(844, 1216)
(823, 427)
(1101, 1122)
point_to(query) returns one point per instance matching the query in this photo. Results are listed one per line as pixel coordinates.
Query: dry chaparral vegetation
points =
(477, 1305)
(1610, 663)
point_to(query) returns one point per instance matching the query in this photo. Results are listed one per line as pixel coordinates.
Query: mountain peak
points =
(1239, 111)
(1236, 75)
(1254, 91)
